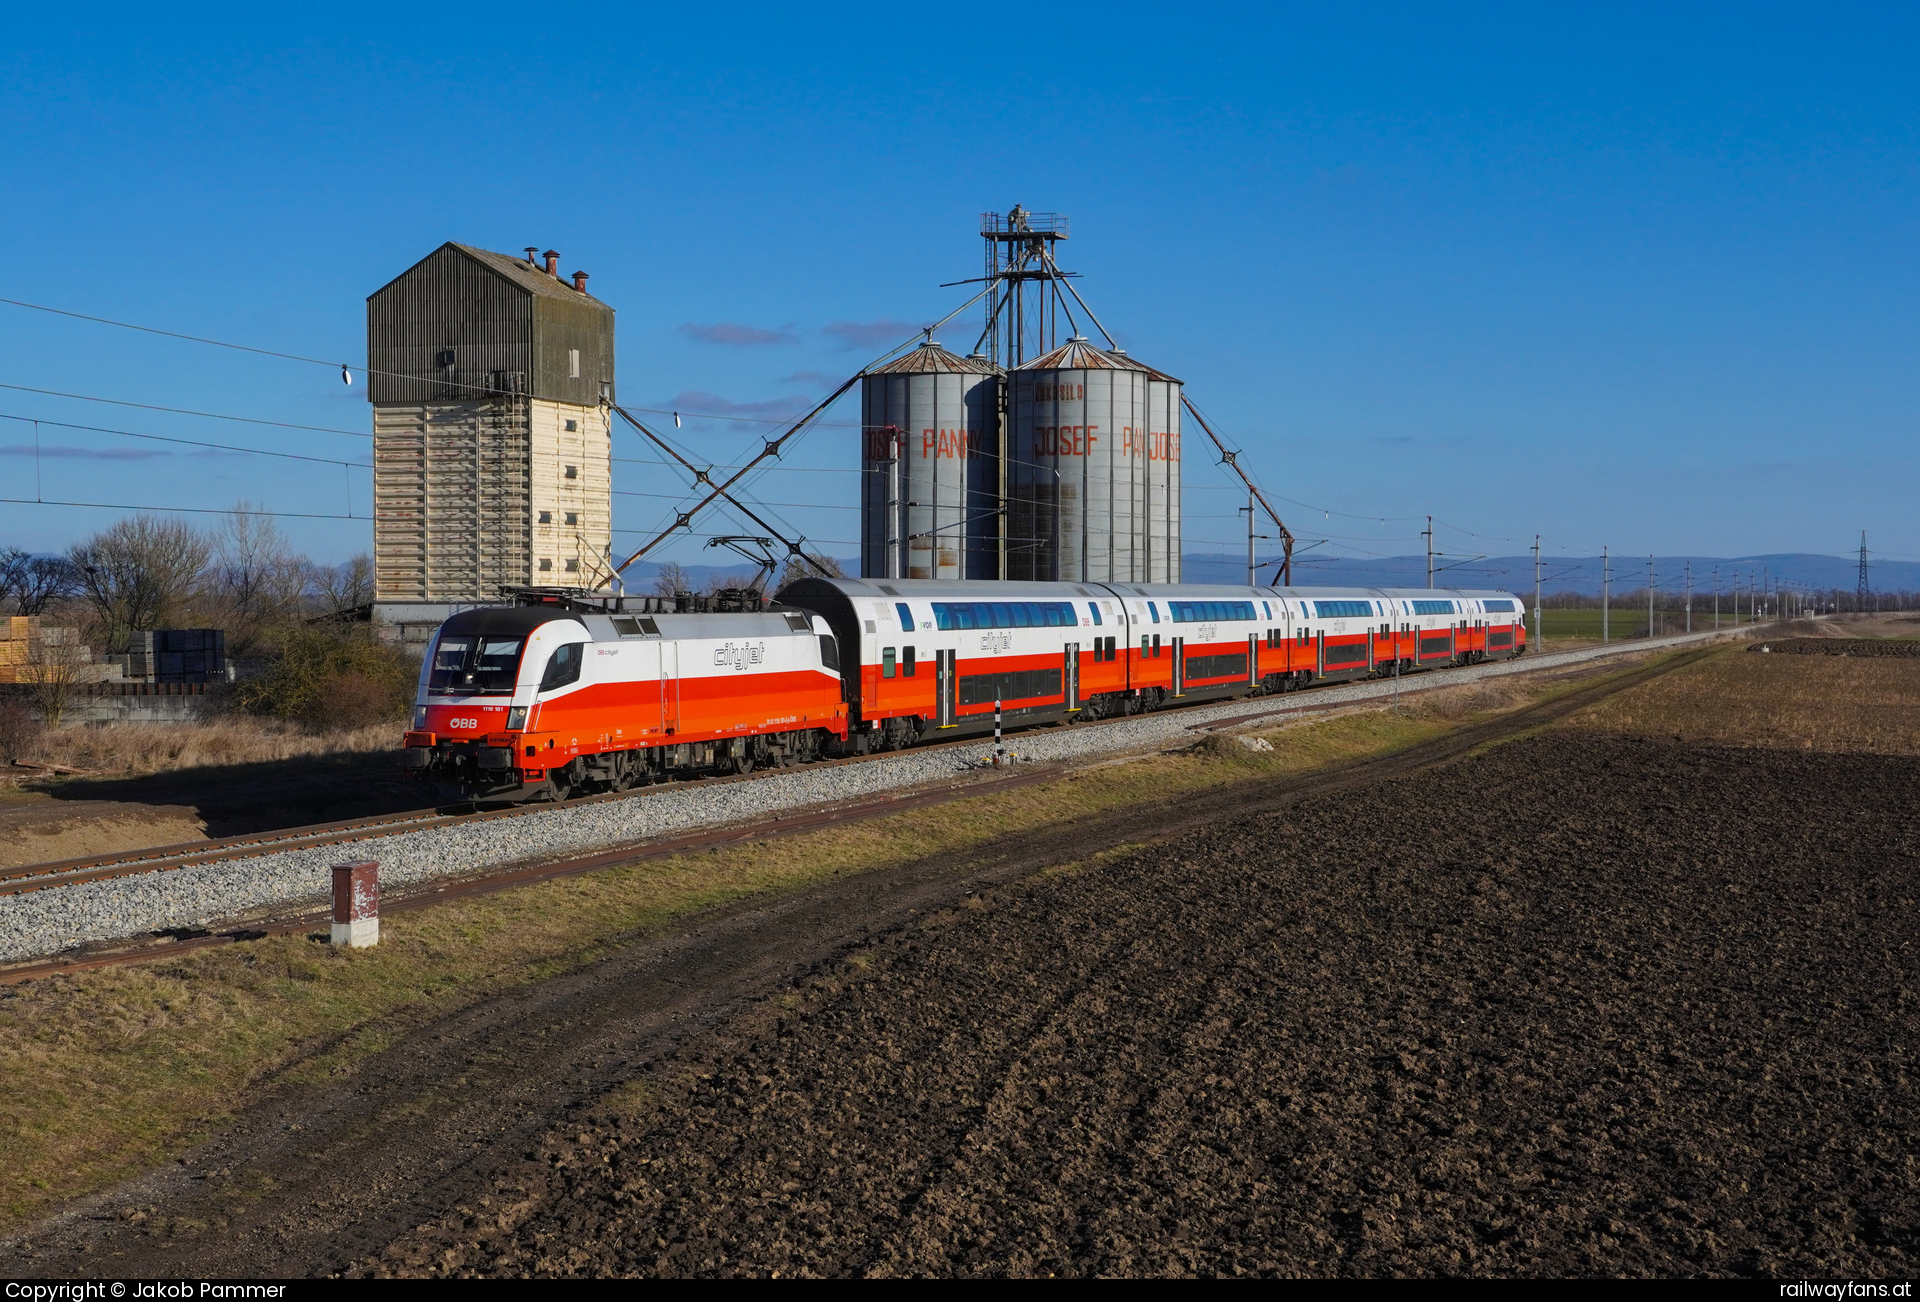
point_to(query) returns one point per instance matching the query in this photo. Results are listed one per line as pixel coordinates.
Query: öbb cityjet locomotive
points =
(569, 692)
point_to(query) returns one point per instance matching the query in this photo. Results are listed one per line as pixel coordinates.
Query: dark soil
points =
(1898, 648)
(1588, 1006)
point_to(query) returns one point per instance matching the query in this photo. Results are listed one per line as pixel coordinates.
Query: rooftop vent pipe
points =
(531, 260)
(580, 281)
(553, 263)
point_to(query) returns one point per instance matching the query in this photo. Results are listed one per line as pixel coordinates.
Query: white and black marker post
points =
(999, 751)
(356, 903)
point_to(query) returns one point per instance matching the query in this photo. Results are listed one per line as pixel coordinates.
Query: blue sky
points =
(1643, 277)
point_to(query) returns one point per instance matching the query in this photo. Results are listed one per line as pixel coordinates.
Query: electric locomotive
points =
(563, 695)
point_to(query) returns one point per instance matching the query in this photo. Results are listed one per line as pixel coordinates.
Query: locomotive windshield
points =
(468, 665)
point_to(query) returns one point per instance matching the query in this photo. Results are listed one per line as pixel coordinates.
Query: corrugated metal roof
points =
(527, 276)
(931, 358)
(1079, 355)
(516, 271)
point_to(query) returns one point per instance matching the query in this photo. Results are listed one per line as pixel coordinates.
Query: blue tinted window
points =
(1154, 611)
(1343, 609)
(1499, 607)
(1433, 607)
(1094, 606)
(906, 616)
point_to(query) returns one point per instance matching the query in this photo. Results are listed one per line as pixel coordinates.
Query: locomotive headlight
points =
(419, 718)
(516, 718)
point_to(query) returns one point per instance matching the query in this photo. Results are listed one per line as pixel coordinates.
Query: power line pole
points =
(1538, 640)
(1689, 581)
(1861, 589)
(1248, 508)
(1716, 598)
(1649, 594)
(1428, 535)
(1606, 596)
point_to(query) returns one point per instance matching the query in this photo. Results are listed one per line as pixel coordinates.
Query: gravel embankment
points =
(49, 921)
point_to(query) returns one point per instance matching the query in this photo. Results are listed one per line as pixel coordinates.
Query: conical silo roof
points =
(1077, 354)
(930, 359)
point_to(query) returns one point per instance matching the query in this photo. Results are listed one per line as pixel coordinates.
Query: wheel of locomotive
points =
(743, 763)
(561, 780)
(623, 772)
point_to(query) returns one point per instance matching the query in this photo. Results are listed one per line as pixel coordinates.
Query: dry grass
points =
(109, 1072)
(235, 739)
(1737, 698)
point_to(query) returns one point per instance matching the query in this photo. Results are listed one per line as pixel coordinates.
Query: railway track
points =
(1442, 749)
(69, 872)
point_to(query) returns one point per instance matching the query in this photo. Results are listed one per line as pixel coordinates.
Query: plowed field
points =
(1582, 1005)
(1877, 647)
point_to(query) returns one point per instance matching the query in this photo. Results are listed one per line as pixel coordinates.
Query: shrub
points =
(20, 730)
(332, 678)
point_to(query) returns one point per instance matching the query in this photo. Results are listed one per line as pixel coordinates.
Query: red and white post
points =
(356, 903)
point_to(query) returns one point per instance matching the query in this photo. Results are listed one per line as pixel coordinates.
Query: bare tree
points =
(673, 577)
(796, 569)
(346, 586)
(138, 574)
(256, 580)
(53, 671)
(28, 582)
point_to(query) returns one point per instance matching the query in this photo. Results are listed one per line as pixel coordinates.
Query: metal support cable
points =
(1232, 458)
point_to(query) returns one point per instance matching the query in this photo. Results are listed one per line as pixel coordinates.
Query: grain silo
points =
(930, 477)
(491, 380)
(1093, 468)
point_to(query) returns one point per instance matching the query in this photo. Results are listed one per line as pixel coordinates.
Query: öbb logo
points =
(463, 723)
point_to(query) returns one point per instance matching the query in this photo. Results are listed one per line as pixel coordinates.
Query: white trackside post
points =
(356, 903)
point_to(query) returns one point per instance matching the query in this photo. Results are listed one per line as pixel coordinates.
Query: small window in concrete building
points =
(573, 426)
(546, 517)
(573, 517)
(572, 566)
(573, 369)
(573, 472)
(546, 564)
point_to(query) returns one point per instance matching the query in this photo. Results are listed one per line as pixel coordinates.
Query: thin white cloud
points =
(736, 335)
(869, 334)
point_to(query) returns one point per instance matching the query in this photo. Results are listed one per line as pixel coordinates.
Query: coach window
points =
(1156, 646)
(1145, 646)
(906, 662)
(1154, 611)
(886, 662)
(906, 624)
(1094, 606)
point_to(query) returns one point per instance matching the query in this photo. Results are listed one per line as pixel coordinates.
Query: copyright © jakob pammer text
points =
(83, 1290)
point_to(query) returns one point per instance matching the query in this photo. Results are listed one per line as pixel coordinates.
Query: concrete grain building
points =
(491, 379)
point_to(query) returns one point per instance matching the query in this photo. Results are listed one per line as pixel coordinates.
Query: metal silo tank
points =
(1093, 473)
(929, 476)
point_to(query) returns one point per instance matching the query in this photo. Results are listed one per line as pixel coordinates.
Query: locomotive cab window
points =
(829, 652)
(474, 666)
(564, 668)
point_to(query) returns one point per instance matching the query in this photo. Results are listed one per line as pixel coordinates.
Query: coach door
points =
(947, 685)
(1179, 666)
(1072, 668)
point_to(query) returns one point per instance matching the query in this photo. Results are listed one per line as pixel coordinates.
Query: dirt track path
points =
(314, 1179)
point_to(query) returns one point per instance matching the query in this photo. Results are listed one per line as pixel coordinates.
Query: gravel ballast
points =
(49, 921)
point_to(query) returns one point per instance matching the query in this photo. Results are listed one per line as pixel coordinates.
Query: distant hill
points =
(1565, 573)
(1558, 573)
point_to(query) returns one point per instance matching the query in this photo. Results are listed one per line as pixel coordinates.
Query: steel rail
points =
(69, 872)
